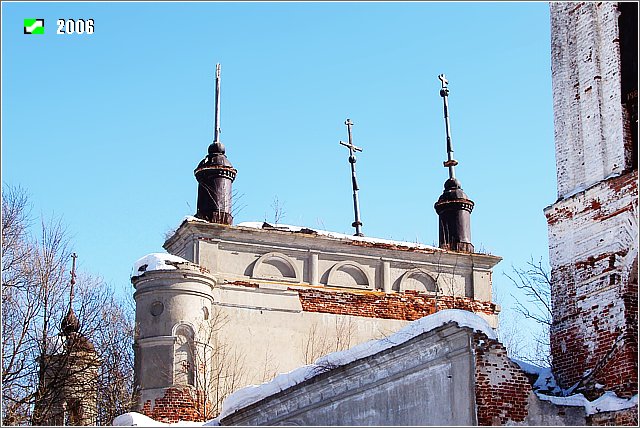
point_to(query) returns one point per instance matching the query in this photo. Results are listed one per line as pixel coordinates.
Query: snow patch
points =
(608, 402)
(156, 261)
(192, 218)
(335, 235)
(254, 393)
(545, 381)
(133, 419)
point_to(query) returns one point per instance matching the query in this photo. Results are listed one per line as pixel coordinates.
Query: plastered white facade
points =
(247, 281)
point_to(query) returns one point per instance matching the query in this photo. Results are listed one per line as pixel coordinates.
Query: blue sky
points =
(106, 129)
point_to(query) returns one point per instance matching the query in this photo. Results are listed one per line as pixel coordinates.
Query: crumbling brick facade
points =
(593, 236)
(502, 388)
(626, 417)
(178, 404)
(409, 305)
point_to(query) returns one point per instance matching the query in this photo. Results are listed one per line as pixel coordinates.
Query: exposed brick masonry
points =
(502, 388)
(409, 305)
(593, 238)
(627, 417)
(178, 404)
(595, 292)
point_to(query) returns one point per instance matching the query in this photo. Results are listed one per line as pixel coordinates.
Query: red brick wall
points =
(595, 293)
(409, 305)
(502, 388)
(626, 417)
(178, 405)
(593, 224)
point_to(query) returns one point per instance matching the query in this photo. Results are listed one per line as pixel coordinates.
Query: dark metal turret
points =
(453, 207)
(215, 175)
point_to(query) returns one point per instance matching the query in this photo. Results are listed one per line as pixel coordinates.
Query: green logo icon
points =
(34, 26)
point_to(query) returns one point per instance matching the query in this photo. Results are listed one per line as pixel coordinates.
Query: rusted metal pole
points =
(444, 93)
(216, 131)
(354, 182)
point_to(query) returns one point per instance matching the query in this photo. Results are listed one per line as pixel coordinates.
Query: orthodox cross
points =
(352, 160)
(444, 93)
(74, 256)
(216, 131)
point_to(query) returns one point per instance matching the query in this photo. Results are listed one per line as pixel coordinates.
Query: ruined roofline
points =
(443, 323)
(281, 230)
(614, 180)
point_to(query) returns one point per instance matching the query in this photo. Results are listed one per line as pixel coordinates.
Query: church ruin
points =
(232, 305)
(593, 225)
(68, 392)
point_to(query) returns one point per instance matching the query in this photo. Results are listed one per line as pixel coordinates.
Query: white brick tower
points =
(593, 236)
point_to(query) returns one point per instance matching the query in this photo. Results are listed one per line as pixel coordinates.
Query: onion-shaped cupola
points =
(215, 175)
(453, 206)
(70, 323)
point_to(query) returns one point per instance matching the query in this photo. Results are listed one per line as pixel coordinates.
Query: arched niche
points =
(419, 280)
(183, 355)
(349, 274)
(632, 276)
(276, 266)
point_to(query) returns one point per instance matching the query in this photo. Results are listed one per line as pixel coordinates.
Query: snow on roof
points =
(545, 381)
(335, 235)
(608, 402)
(254, 393)
(156, 261)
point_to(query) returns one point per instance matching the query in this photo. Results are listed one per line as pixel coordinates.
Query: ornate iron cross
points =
(352, 160)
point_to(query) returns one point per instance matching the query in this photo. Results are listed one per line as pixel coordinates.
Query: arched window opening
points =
(184, 368)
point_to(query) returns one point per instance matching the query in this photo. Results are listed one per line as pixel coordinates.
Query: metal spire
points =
(74, 256)
(216, 131)
(352, 160)
(70, 323)
(450, 162)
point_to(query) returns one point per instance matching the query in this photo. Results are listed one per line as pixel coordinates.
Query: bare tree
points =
(35, 298)
(316, 344)
(219, 366)
(322, 341)
(116, 393)
(278, 210)
(237, 204)
(535, 282)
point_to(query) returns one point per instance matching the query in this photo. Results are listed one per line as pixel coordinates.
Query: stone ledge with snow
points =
(157, 261)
